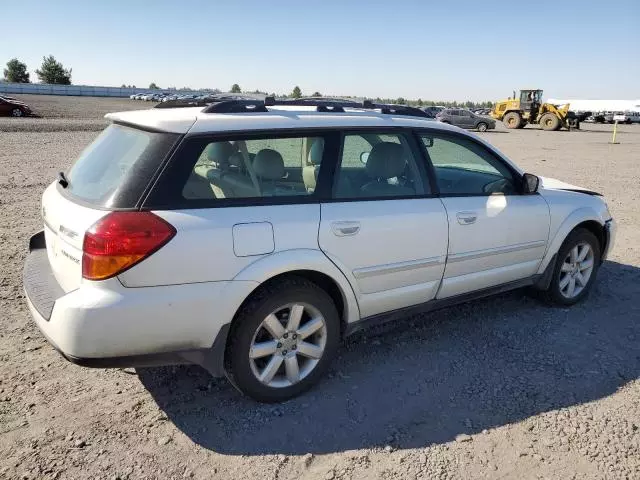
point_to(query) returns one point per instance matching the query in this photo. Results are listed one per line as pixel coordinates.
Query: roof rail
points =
(240, 103)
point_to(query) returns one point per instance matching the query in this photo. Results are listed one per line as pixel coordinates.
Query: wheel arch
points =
(581, 218)
(312, 265)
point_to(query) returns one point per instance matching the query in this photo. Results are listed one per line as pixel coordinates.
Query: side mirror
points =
(530, 183)
(364, 156)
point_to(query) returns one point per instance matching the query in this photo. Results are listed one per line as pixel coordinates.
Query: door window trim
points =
(166, 193)
(450, 135)
(413, 146)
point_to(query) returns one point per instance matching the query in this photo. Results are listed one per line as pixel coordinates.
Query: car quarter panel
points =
(212, 244)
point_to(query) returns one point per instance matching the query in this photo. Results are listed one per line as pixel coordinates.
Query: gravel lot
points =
(499, 388)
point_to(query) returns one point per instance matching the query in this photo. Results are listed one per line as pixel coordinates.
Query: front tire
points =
(482, 127)
(549, 122)
(17, 112)
(576, 267)
(283, 340)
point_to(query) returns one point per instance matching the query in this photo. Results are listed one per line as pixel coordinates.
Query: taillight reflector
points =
(120, 240)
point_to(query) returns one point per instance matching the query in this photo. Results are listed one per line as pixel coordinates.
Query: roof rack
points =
(239, 103)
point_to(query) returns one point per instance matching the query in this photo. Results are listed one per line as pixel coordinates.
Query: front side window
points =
(249, 168)
(374, 165)
(464, 168)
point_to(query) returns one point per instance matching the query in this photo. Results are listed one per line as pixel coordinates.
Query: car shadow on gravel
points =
(425, 380)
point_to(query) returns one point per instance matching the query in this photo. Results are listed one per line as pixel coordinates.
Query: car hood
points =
(555, 184)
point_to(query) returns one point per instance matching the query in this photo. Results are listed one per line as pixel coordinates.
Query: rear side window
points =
(116, 167)
(250, 168)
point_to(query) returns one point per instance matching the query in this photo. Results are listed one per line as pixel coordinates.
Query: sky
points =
(434, 50)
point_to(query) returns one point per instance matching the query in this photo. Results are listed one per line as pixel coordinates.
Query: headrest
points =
(236, 160)
(315, 152)
(269, 164)
(386, 160)
(219, 152)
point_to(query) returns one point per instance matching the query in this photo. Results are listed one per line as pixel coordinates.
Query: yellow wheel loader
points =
(516, 113)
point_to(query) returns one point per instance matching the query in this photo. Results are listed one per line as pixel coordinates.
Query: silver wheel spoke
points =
(262, 349)
(572, 287)
(586, 264)
(566, 267)
(273, 326)
(583, 253)
(295, 315)
(580, 279)
(564, 281)
(292, 369)
(574, 254)
(311, 327)
(270, 370)
(309, 350)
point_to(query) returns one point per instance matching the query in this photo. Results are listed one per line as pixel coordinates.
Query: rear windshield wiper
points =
(62, 180)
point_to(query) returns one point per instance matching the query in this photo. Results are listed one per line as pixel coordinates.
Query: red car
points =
(13, 107)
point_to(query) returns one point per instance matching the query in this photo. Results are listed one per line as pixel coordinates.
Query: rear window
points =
(116, 167)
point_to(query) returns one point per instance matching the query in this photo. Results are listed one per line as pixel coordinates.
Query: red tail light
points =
(120, 240)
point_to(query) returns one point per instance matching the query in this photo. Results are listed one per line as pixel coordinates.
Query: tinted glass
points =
(268, 167)
(377, 165)
(103, 167)
(464, 168)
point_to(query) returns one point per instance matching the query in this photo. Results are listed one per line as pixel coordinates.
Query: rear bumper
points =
(104, 324)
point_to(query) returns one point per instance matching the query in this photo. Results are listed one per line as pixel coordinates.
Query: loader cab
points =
(530, 97)
(530, 101)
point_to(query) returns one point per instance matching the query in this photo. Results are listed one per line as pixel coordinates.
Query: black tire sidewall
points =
(575, 237)
(237, 361)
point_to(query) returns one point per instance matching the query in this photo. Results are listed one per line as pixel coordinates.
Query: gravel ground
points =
(499, 388)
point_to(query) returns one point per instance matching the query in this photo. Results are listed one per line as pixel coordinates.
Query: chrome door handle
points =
(343, 229)
(466, 218)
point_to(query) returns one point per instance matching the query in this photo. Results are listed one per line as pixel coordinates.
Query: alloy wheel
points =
(576, 270)
(288, 345)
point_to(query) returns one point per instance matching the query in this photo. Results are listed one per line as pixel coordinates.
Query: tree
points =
(420, 103)
(297, 93)
(53, 72)
(16, 72)
(235, 88)
(153, 86)
(400, 101)
(316, 94)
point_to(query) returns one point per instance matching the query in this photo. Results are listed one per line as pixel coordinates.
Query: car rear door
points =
(496, 234)
(382, 225)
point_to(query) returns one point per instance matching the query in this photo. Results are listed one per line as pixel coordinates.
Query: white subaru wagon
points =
(250, 237)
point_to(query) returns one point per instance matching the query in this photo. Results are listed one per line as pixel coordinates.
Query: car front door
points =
(497, 235)
(466, 119)
(4, 107)
(382, 225)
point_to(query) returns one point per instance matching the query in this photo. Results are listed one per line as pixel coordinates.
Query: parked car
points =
(634, 117)
(14, 108)
(466, 119)
(252, 243)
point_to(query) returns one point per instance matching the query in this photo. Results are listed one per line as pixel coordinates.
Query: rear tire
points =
(16, 112)
(575, 270)
(482, 127)
(512, 120)
(549, 122)
(270, 356)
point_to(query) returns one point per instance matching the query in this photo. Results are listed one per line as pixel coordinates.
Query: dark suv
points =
(466, 119)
